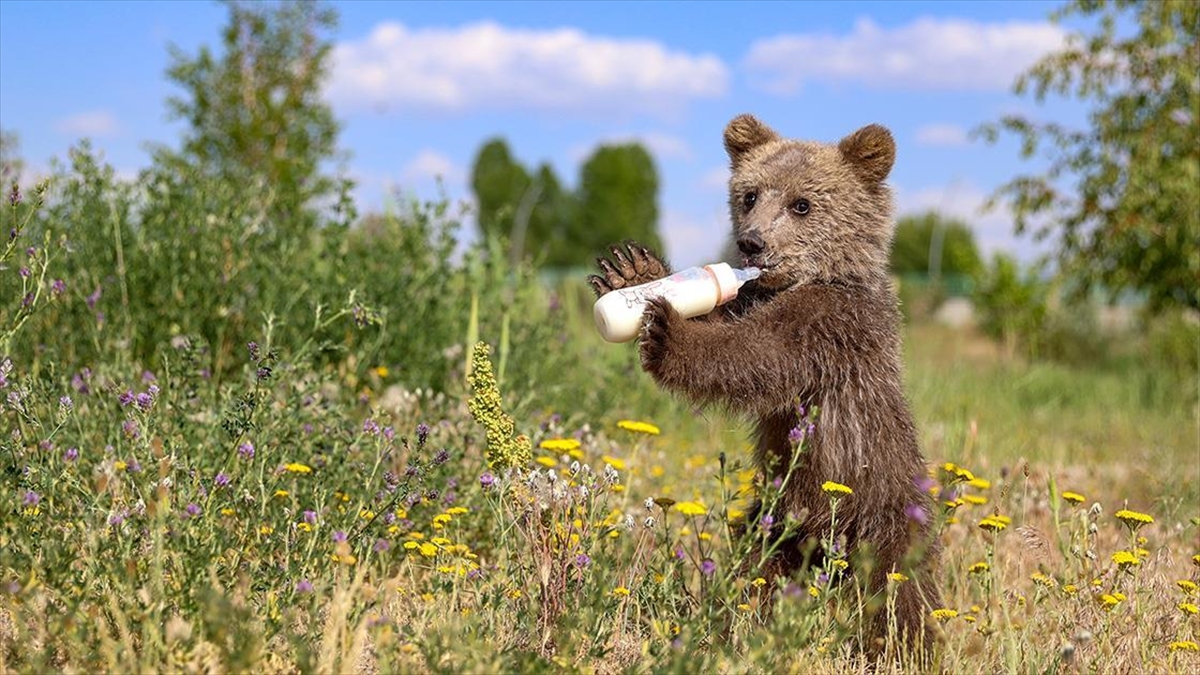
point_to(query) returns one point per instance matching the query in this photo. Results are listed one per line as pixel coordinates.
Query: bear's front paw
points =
(660, 323)
(632, 264)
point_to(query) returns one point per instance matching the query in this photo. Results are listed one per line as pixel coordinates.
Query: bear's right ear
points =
(744, 133)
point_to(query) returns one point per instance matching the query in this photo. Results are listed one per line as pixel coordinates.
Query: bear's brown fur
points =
(820, 327)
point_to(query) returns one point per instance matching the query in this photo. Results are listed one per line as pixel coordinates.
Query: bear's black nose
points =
(751, 243)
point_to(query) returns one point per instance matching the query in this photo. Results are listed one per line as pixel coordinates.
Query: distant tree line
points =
(617, 199)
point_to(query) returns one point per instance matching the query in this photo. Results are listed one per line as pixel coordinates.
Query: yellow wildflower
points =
(1043, 580)
(1134, 519)
(1108, 601)
(1185, 645)
(457, 510)
(281, 493)
(977, 500)
(1073, 497)
(1070, 589)
(992, 524)
(691, 508)
(559, 444)
(1118, 595)
(812, 590)
(897, 577)
(704, 536)
(618, 464)
(1187, 586)
(980, 483)
(227, 511)
(439, 541)
(265, 530)
(743, 607)
(548, 462)
(1196, 560)
(835, 489)
(297, 467)
(119, 465)
(411, 545)
(439, 521)
(428, 550)
(1189, 608)
(944, 614)
(304, 527)
(639, 427)
(758, 582)
(1125, 559)
(621, 591)
(841, 564)
(381, 371)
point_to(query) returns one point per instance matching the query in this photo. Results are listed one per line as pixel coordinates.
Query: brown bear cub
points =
(819, 328)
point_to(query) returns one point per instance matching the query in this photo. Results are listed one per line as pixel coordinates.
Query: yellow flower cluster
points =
(504, 448)
(1073, 497)
(835, 489)
(691, 508)
(994, 523)
(639, 427)
(1134, 519)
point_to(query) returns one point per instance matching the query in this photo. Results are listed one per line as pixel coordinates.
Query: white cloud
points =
(964, 200)
(716, 178)
(429, 165)
(489, 66)
(927, 54)
(945, 135)
(660, 144)
(92, 123)
(691, 240)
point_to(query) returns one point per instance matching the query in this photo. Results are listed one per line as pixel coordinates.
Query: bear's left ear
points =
(743, 134)
(871, 151)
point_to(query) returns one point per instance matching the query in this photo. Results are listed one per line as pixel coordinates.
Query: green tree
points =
(949, 239)
(618, 199)
(1011, 304)
(1121, 198)
(554, 228)
(500, 183)
(255, 113)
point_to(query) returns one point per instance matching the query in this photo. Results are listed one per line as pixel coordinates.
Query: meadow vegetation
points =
(229, 448)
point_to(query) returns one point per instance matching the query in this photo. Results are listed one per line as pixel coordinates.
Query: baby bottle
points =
(692, 292)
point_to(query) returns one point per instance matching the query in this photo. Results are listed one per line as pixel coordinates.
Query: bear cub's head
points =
(811, 212)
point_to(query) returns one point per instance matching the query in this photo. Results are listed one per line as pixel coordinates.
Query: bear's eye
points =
(801, 207)
(749, 199)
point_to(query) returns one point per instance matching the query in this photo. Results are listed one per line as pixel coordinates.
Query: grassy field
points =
(304, 515)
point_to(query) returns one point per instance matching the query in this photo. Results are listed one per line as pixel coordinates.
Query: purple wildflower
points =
(924, 483)
(767, 520)
(27, 300)
(58, 287)
(422, 433)
(310, 517)
(246, 450)
(148, 376)
(441, 457)
(31, 498)
(487, 480)
(680, 555)
(381, 545)
(304, 586)
(144, 400)
(130, 428)
(135, 466)
(252, 347)
(389, 433)
(24, 272)
(264, 373)
(221, 480)
(917, 513)
(193, 510)
(65, 402)
(339, 536)
(117, 518)
(370, 427)
(126, 397)
(14, 198)
(796, 435)
(71, 455)
(707, 567)
(31, 251)
(583, 560)
(94, 298)
(80, 381)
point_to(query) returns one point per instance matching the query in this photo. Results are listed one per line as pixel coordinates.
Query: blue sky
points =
(419, 87)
